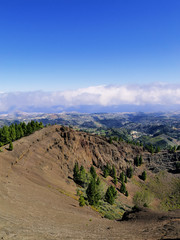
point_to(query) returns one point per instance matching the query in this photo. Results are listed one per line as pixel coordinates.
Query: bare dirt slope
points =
(38, 202)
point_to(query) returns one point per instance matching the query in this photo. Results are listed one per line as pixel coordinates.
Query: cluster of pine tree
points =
(8, 134)
(173, 149)
(123, 180)
(152, 149)
(92, 183)
(138, 161)
(123, 139)
(108, 171)
(136, 143)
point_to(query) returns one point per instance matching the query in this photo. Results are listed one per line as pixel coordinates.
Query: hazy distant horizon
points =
(89, 55)
(111, 98)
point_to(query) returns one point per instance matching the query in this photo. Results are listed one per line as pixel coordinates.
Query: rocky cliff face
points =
(88, 149)
(162, 161)
(60, 147)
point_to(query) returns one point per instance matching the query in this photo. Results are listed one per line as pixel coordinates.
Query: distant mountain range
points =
(159, 129)
(93, 109)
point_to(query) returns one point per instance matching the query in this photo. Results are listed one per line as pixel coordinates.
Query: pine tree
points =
(123, 188)
(125, 180)
(33, 125)
(151, 149)
(140, 160)
(76, 172)
(113, 172)
(98, 181)
(121, 178)
(113, 175)
(41, 125)
(144, 176)
(82, 176)
(20, 130)
(92, 192)
(5, 135)
(28, 129)
(93, 172)
(136, 161)
(23, 125)
(10, 146)
(115, 180)
(129, 172)
(105, 172)
(110, 195)
(12, 132)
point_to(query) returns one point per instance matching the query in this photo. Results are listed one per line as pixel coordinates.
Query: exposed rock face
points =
(88, 149)
(162, 161)
(71, 146)
(64, 147)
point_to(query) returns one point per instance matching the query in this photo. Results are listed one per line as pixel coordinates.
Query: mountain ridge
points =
(38, 195)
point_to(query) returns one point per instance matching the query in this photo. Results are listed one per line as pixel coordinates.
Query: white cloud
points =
(154, 94)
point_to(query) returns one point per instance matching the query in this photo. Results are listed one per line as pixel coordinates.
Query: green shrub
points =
(81, 201)
(142, 198)
(109, 216)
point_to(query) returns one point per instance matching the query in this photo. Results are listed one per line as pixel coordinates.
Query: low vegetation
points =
(167, 189)
(142, 199)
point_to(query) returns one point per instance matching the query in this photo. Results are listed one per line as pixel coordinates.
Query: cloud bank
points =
(167, 95)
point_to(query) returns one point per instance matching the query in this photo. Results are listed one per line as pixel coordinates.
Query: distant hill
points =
(159, 129)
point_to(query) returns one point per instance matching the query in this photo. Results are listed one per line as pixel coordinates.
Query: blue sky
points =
(58, 45)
